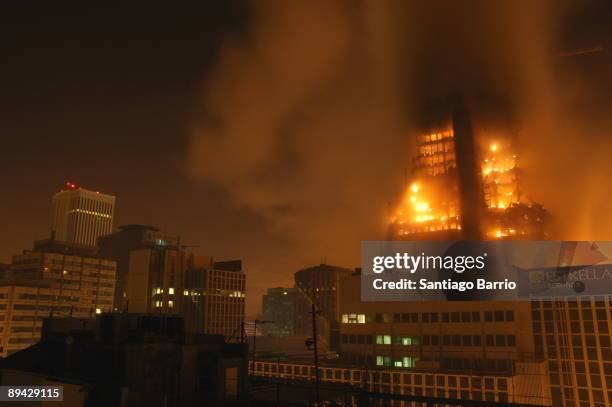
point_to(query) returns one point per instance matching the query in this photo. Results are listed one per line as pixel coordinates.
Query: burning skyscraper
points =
(466, 185)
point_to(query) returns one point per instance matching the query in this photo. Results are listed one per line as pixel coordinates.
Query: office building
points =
(80, 216)
(44, 283)
(118, 245)
(430, 207)
(278, 306)
(223, 300)
(209, 295)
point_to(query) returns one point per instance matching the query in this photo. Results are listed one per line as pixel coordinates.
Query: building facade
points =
(224, 299)
(567, 341)
(43, 284)
(209, 295)
(118, 245)
(522, 386)
(319, 284)
(80, 216)
(279, 306)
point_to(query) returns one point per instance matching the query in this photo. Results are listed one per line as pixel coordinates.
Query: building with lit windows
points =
(80, 216)
(118, 245)
(430, 207)
(278, 305)
(223, 299)
(40, 284)
(564, 343)
(209, 295)
(154, 281)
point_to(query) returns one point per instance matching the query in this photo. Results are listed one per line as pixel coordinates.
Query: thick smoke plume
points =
(302, 124)
(307, 119)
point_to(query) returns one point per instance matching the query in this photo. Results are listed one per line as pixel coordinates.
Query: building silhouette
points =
(319, 284)
(279, 306)
(131, 360)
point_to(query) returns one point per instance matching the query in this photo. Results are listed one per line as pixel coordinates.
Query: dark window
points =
(500, 340)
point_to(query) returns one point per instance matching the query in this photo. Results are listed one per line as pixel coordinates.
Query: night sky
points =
(171, 109)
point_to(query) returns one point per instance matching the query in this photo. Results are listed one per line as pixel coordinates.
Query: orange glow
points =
(431, 203)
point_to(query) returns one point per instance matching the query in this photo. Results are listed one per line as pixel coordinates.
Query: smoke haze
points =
(307, 118)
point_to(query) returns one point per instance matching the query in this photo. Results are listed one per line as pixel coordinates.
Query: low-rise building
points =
(131, 360)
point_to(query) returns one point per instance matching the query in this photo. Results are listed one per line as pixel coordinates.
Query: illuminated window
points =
(407, 341)
(409, 362)
(171, 290)
(383, 339)
(171, 304)
(380, 360)
(98, 311)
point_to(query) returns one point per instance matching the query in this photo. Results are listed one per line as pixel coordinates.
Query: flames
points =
(430, 201)
(500, 175)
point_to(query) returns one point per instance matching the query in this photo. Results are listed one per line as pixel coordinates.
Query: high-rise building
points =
(278, 306)
(571, 336)
(58, 283)
(80, 216)
(431, 205)
(118, 245)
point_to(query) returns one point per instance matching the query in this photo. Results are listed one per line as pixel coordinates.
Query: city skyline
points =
(122, 111)
(335, 202)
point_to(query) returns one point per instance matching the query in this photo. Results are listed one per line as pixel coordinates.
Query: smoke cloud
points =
(307, 119)
(302, 124)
